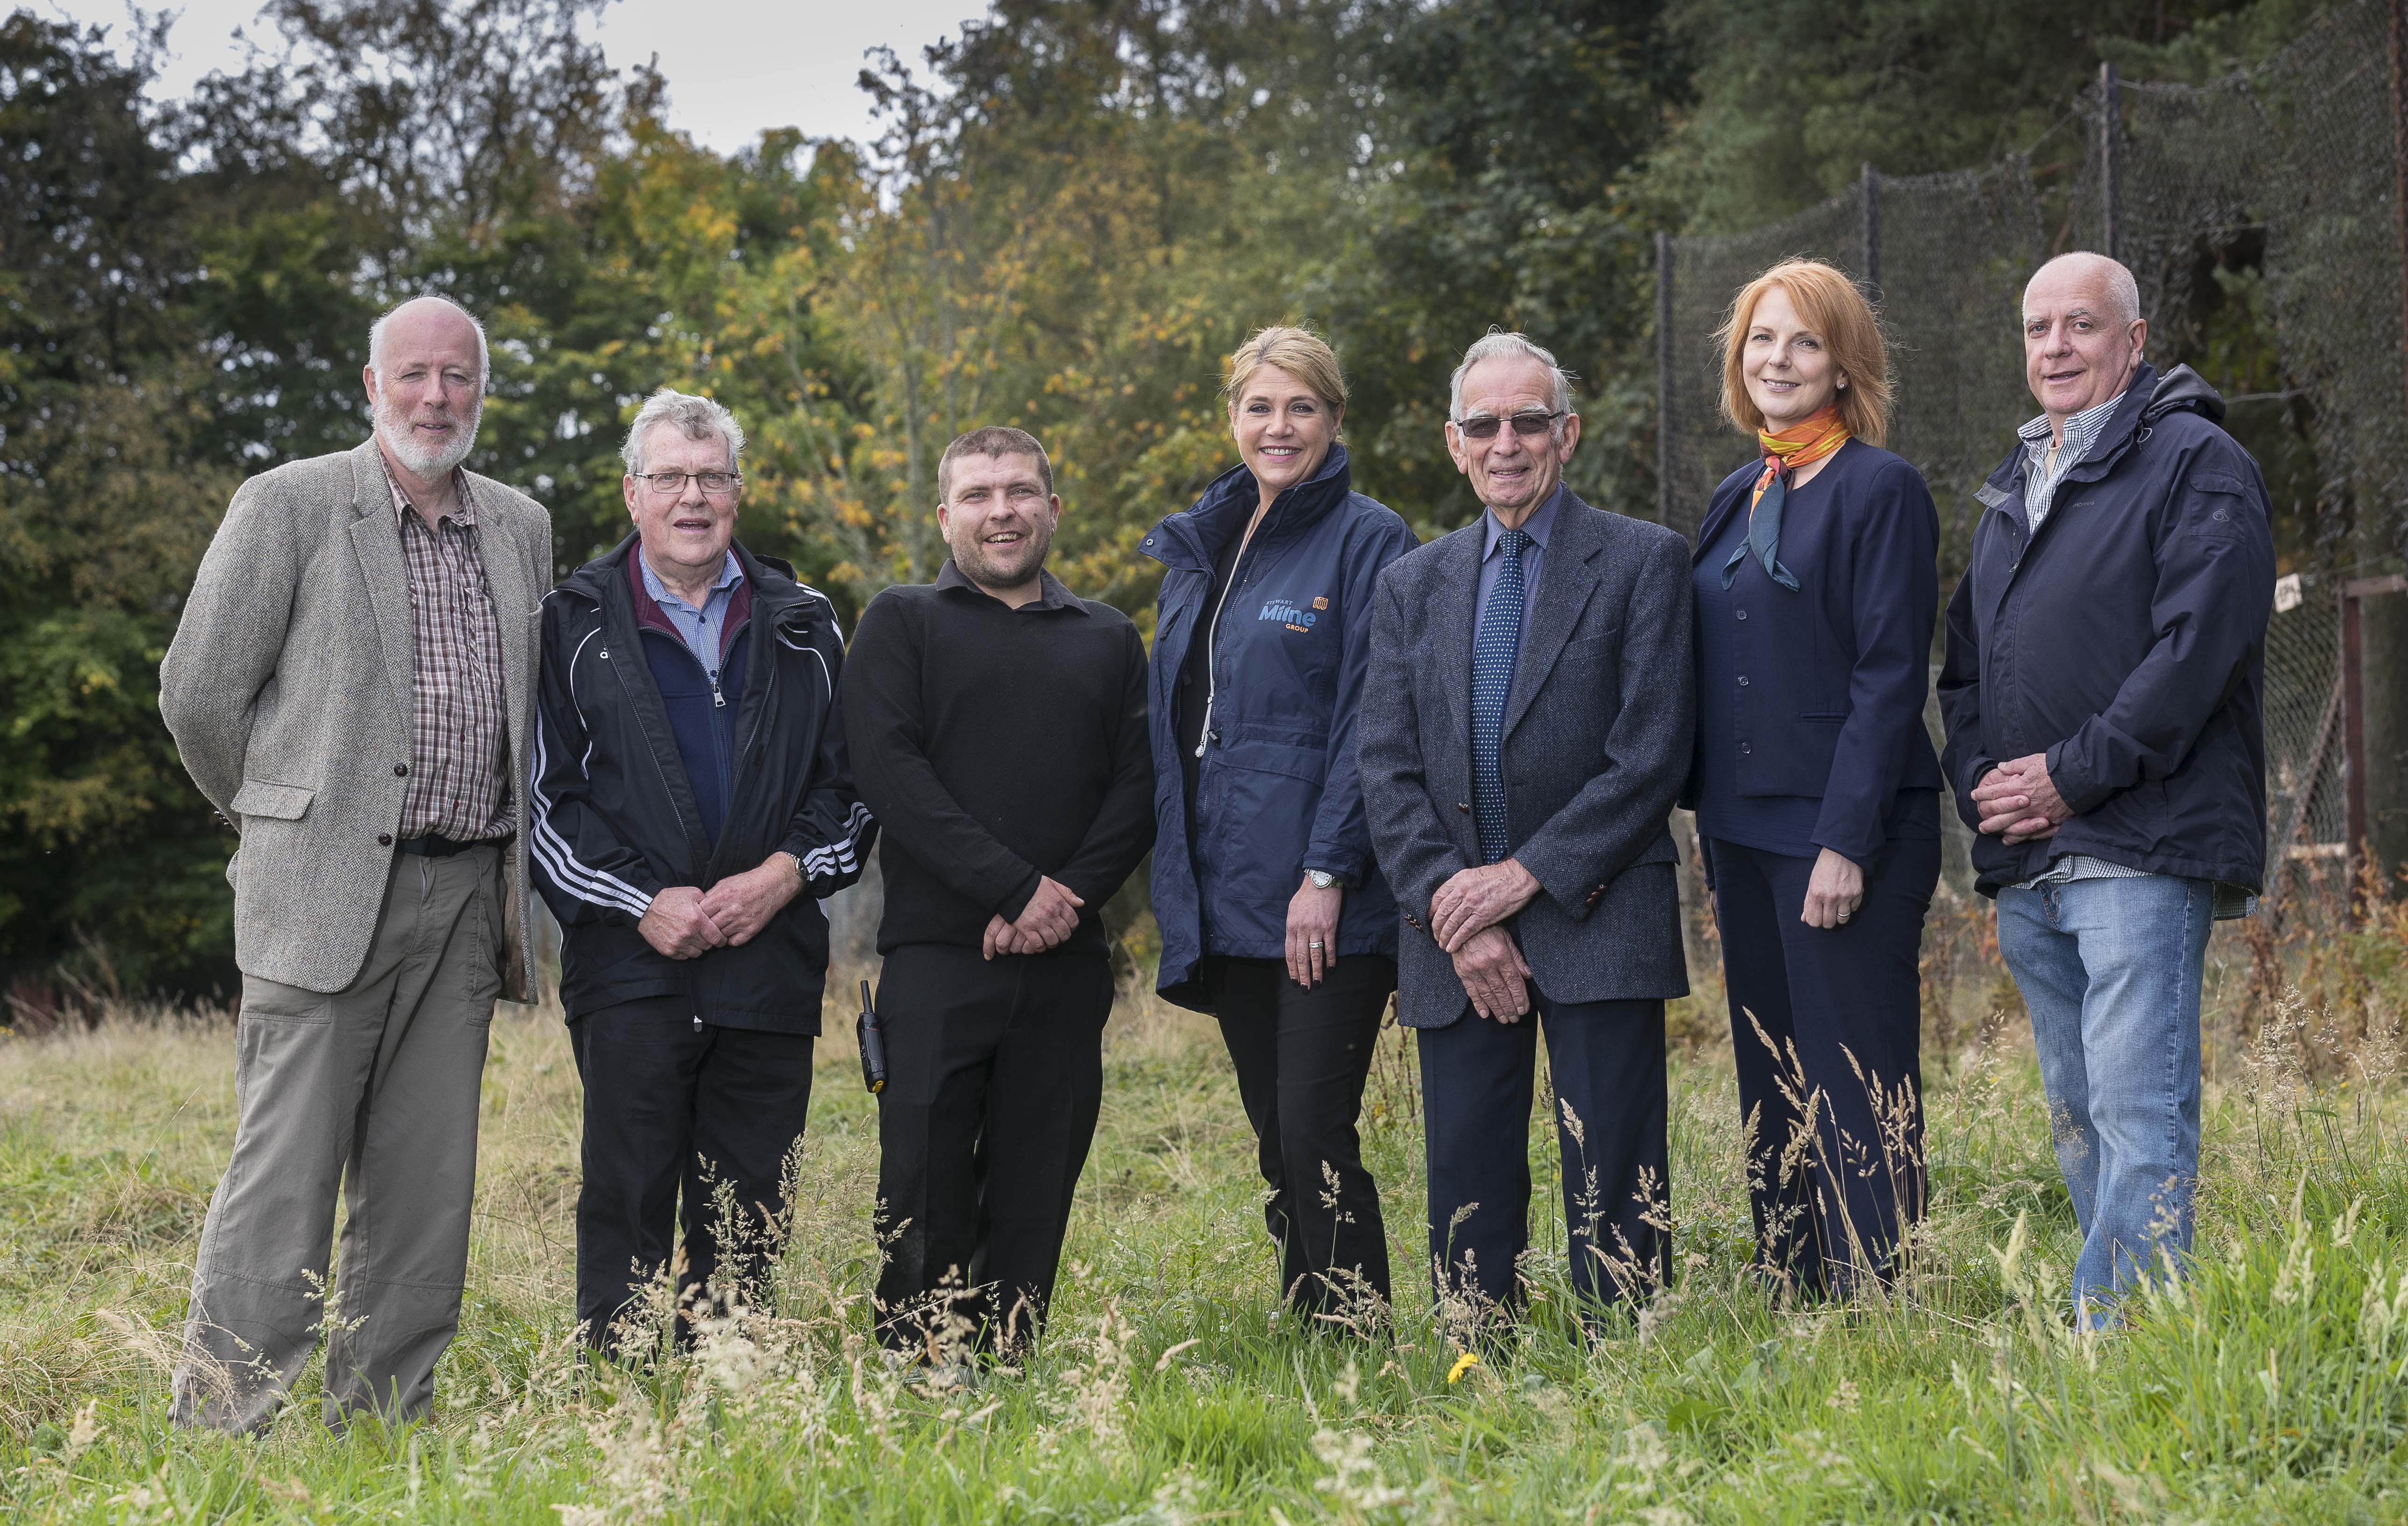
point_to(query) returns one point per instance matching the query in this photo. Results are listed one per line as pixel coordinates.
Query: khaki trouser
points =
(372, 1090)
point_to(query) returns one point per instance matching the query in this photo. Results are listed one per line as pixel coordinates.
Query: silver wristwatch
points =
(1322, 879)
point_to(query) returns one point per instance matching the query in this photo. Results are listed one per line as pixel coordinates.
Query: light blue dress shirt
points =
(701, 629)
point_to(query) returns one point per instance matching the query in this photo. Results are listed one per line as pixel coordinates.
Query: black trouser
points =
(675, 1111)
(1842, 1011)
(1606, 1059)
(1301, 1056)
(993, 1074)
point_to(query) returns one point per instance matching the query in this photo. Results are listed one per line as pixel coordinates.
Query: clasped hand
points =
(1479, 898)
(1464, 917)
(1050, 917)
(2019, 802)
(685, 923)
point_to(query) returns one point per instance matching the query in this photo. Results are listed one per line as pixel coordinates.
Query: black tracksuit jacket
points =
(612, 815)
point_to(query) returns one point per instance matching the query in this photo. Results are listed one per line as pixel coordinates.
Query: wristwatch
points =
(797, 860)
(1322, 879)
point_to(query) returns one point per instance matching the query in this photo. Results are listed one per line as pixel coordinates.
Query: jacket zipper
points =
(735, 774)
(1211, 638)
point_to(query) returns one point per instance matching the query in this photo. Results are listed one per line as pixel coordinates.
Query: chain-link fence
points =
(2261, 209)
(1946, 257)
(2271, 197)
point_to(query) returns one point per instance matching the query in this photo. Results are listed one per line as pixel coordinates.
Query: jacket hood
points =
(2183, 388)
(1224, 506)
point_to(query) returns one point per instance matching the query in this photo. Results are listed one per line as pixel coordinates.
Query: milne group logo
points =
(1291, 616)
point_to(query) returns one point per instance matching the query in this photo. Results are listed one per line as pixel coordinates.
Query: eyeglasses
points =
(669, 484)
(1527, 425)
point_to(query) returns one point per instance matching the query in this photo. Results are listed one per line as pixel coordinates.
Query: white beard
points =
(394, 429)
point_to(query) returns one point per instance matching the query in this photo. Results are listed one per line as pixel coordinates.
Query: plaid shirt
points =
(459, 717)
(2048, 468)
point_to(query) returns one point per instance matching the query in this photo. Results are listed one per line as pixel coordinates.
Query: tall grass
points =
(1172, 1388)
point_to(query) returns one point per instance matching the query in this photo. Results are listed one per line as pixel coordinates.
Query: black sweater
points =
(995, 745)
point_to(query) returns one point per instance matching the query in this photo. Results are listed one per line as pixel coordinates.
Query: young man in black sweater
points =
(998, 726)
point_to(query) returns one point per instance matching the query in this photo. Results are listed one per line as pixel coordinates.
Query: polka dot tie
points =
(1492, 679)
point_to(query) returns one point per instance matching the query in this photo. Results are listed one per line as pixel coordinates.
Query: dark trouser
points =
(1843, 1009)
(994, 1072)
(671, 1108)
(1607, 1063)
(1301, 1056)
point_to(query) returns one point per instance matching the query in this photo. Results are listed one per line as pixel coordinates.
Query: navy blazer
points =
(1838, 671)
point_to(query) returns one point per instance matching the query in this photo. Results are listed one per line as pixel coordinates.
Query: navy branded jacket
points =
(1827, 697)
(2125, 639)
(1279, 792)
(650, 773)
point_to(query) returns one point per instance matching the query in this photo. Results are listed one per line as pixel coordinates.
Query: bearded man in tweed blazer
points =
(352, 686)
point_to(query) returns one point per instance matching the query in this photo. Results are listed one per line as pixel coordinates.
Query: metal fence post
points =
(1870, 230)
(1664, 378)
(2111, 159)
(2400, 149)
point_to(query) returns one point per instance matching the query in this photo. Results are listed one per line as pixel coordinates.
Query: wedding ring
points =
(1316, 943)
(1843, 916)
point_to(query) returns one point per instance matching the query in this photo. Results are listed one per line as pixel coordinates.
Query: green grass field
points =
(1172, 1389)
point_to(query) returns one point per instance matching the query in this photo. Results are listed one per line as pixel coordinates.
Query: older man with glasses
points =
(1524, 728)
(692, 805)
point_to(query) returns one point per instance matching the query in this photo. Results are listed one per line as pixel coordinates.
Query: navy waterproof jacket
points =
(1279, 793)
(2126, 640)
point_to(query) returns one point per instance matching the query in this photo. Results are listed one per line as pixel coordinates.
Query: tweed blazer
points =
(1596, 745)
(286, 689)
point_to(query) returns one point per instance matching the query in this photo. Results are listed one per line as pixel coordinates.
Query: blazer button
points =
(1464, 806)
(1742, 680)
(1595, 896)
(400, 771)
(1743, 613)
(1743, 749)
(384, 840)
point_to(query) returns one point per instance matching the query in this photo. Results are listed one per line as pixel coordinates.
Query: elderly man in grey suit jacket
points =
(1524, 731)
(352, 685)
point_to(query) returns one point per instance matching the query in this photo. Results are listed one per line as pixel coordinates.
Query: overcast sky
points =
(734, 67)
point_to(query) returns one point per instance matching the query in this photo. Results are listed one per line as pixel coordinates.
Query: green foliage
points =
(1067, 219)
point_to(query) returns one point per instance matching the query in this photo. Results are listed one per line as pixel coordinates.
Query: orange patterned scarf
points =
(1802, 444)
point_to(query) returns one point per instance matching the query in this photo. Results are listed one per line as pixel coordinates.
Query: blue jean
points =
(2110, 969)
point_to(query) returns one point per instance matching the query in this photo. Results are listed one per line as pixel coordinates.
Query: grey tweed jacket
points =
(1598, 733)
(286, 689)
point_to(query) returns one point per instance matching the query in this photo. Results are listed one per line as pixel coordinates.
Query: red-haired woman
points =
(1815, 783)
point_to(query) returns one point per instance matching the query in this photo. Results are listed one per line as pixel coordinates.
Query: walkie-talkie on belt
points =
(872, 1034)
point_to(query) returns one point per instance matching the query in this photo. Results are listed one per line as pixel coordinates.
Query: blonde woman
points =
(1274, 917)
(1815, 783)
